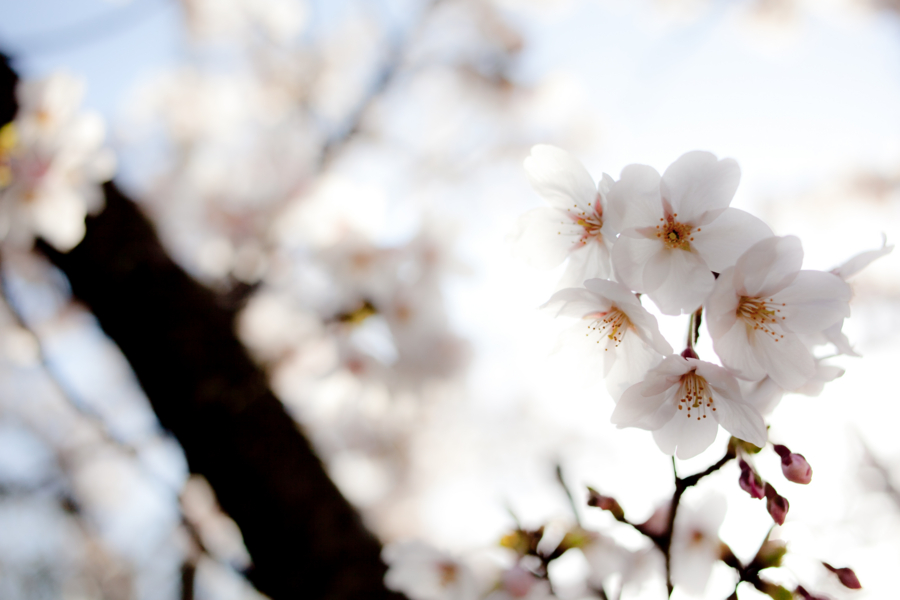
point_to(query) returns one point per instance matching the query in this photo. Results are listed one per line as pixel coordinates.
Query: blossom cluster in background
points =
(52, 162)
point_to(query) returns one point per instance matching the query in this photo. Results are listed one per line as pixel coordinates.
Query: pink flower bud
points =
(794, 466)
(776, 505)
(846, 576)
(750, 482)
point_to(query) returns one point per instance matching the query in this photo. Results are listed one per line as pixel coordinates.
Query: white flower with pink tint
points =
(575, 226)
(612, 322)
(696, 546)
(683, 401)
(854, 265)
(676, 230)
(761, 306)
(52, 161)
(424, 573)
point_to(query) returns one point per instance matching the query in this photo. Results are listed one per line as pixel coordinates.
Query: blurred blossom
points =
(52, 161)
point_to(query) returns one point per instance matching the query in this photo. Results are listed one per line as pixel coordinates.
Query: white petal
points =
(688, 281)
(633, 407)
(697, 182)
(630, 254)
(686, 437)
(763, 395)
(726, 238)
(836, 336)
(544, 237)
(861, 261)
(721, 305)
(719, 379)
(634, 358)
(768, 266)
(587, 262)
(814, 301)
(634, 200)
(737, 351)
(741, 420)
(576, 303)
(646, 328)
(824, 374)
(788, 362)
(666, 375)
(691, 571)
(559, 178)
(612, 290)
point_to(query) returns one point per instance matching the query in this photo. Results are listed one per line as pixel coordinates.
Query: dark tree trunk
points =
(305, 539)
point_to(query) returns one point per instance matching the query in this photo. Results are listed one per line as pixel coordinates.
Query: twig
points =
(562, 482)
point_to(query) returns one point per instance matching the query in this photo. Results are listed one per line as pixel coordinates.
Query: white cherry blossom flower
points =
(759, 308)
(854, 265)
(764, 395)
(425, 573)
(574, 226)
(51, 162)
(613, 322)
(683, 401)
(695, 543)
(677, 229)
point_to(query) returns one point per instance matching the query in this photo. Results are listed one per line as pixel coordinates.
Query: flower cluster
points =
(676, 240)
(51, 162)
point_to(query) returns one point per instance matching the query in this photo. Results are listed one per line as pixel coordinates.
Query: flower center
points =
(611, 325)
(760, 315)
(674, 234)
(694, 394)
(448, 573)
(591, 220)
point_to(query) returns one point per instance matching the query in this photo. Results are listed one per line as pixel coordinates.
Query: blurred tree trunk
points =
(305, 539)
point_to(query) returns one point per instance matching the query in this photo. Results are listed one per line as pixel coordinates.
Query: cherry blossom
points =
(759, 306)
(695, 543)
(613, 322)
(424, 573)
(677, 229)
(574, 226)
(51, 162)
(683, 401)
(851, 267)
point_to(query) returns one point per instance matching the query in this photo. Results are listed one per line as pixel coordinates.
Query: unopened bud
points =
(794, 466)
(602, 502)
(750, 482)
(776, 505)
(846, 575)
